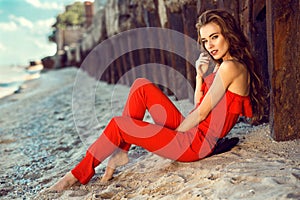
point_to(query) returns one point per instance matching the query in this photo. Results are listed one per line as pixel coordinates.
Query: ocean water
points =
(11, 79)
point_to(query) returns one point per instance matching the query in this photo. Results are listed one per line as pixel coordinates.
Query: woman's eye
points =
(215, 37)
(204, 41)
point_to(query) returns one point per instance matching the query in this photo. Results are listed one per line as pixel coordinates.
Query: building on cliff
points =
(68, 34)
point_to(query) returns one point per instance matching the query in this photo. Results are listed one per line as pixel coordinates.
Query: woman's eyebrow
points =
(210, 35)
(213, 34)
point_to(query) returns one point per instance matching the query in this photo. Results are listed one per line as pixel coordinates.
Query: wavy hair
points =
(239, 48)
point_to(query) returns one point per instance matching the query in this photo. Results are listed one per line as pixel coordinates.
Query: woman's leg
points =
(158, 139)
(143, 96)
(155, 138)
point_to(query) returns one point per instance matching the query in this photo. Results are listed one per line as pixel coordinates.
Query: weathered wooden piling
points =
(271, 25)
(283, 25)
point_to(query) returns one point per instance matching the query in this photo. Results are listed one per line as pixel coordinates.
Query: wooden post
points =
(175, 22)
(142, 55)
(245, 17)
(189, 15)
(203, 5)
(152, 17)
(124, 64)
(163, 55)
(259, 40)
(132, 63)
(283, 25)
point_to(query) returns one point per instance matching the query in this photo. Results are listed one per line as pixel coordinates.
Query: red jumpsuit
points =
(161, 137)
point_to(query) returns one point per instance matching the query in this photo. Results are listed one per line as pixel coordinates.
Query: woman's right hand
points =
(202, 64)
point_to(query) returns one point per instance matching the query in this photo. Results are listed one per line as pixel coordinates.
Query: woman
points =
(232, 90)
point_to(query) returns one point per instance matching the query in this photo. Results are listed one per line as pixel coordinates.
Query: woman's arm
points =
(201, 68)
(216, 68)
(227, 72)
(198, 93)
(199, 81)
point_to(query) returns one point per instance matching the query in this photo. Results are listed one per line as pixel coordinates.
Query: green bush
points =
(73, 16)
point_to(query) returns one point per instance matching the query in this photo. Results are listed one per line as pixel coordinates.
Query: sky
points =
(24, 29)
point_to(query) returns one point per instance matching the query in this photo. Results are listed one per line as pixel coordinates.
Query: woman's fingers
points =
(203, 59)
(202, 64)
(204, 54)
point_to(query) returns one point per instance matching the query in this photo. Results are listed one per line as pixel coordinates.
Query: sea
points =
(13, 77)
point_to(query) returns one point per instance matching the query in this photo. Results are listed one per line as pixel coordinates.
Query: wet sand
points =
(39, 143)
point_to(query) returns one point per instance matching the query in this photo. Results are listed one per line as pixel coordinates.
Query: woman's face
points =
(214, 42)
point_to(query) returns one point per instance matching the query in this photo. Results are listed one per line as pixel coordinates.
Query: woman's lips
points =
(214, 52)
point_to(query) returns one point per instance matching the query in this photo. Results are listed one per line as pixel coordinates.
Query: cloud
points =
(2, 47)
(43, 27)
(39, 26)
(8, 26)
(22, 21)
(42, 45)
(42, 48)
(46, 23)
(45, 5)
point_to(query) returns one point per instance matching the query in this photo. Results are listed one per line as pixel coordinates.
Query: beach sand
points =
(39, 143)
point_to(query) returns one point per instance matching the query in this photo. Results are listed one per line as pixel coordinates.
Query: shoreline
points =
(15, 78)
(40, 142)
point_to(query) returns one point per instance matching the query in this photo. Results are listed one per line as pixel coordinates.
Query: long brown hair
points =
(239, 48)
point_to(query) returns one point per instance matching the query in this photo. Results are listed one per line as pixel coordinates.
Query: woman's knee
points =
(118, 122)
(140, 82)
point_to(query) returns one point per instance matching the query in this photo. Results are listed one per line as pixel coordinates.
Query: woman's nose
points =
(210, 44)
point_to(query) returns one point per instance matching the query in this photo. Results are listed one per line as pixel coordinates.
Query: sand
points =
(39, 143)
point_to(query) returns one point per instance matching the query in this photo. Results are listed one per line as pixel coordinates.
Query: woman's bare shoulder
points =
(237, 75)
(232, 67)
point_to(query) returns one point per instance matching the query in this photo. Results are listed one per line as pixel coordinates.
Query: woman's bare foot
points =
(119, 158)
(64, 183)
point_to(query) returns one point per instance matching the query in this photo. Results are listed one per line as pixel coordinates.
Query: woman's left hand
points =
(202, 64)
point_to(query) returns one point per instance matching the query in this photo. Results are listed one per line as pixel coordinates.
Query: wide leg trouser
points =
(159, 138)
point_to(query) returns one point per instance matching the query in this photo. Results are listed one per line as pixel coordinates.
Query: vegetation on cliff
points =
(74, 17)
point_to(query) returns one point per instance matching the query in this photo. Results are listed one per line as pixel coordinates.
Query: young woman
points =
(232, 90)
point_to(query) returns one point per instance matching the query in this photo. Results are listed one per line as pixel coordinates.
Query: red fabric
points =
(160, 137)
(225, 114)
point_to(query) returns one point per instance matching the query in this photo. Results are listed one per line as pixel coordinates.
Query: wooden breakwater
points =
(261, 20)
